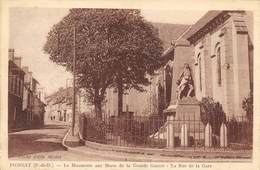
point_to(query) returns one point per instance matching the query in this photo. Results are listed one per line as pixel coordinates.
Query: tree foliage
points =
(112, 45)
(212, 113)
(247, 105)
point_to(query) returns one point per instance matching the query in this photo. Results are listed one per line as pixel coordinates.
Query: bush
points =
(213, 113)
(247, 105)
(240, 131)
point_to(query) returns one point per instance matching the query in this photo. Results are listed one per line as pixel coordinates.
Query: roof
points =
(14, 68)
(203, 21)
(34, 79)
(189, 31)
(169, 32)
(61, 95)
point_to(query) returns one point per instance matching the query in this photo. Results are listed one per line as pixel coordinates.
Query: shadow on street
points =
(46, 139)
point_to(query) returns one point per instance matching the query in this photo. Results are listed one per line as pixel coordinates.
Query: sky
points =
(30, 26)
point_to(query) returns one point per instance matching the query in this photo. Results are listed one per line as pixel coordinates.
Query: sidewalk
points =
(71, 143)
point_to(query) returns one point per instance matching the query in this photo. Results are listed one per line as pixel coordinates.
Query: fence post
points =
(223, 135)
(184, 135)
(170, 132)
(208, 135)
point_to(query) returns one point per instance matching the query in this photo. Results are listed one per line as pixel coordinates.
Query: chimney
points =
(25, 69)
(26, 77)
(11, 54)
(18, 61)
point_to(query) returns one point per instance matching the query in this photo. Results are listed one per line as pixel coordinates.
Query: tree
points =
(114, 48)
(212, 112)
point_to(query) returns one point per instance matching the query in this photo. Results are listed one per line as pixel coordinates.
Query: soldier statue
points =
(185, 82)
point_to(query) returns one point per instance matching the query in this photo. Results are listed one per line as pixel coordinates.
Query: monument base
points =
(187, 124)
(188, 109)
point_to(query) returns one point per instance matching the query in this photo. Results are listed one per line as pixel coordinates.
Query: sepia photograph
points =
(129, 85)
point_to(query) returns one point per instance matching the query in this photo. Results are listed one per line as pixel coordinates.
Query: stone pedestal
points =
(187, 123)
(187, 109)
(170, 131)
(188, 114)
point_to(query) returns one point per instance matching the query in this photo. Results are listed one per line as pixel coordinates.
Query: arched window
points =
(200, 76)
(168, 83)
(218, 55)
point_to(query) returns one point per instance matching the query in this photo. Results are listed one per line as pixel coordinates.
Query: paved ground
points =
(42, 144)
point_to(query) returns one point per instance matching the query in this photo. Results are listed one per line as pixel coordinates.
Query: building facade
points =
(59, 105)
(223, 58)
(219, 50)
(16, 117)
(25, 107)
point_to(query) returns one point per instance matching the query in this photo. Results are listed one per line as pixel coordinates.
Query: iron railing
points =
(158, 132)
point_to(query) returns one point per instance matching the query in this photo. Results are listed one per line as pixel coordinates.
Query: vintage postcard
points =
(129, 85)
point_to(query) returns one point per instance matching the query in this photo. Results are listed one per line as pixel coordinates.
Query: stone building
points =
(25, 108)
(59, 105)
(219, 49)
(28, 97)
(16, 117)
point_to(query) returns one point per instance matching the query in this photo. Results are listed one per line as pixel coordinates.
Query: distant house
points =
(59, 105)
(38, 109)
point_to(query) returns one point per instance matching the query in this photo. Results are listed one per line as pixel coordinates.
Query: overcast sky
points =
(29, 27)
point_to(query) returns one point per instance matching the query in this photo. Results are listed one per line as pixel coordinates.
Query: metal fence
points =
(171, 132)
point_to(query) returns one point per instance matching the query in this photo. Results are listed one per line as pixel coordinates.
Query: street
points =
(41, 144)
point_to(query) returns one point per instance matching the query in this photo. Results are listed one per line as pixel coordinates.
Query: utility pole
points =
(74, 91)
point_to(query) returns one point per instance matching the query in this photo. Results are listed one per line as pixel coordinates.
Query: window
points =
(168, 83)
(18, 86)
(9, 83)
(15, 110)
(200, 76)
(218, 66)
(21, 88)
(13, 84)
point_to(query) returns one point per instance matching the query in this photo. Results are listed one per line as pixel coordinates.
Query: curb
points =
(74, 150)
(66, 147)
(109, 157)
(166, 153)
(136, 154)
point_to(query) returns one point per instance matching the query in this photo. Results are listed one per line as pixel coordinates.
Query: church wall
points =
(236, 63)
(241, 63)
